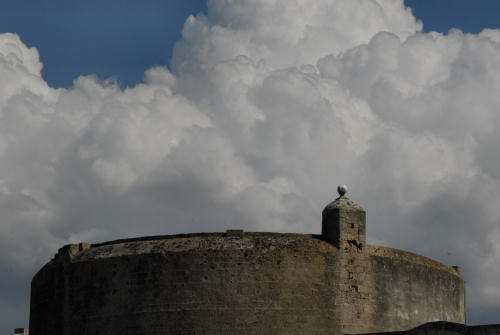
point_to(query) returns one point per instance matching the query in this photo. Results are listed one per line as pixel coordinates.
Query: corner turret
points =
(344, 223)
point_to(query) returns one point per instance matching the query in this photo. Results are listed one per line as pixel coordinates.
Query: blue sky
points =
(123, 38)
(120, 38)
(468, 16)
(444, 128)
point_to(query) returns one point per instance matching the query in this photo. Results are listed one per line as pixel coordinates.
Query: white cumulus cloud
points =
(269, 105)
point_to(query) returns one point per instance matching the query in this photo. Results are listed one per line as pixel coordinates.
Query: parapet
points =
(69, 251)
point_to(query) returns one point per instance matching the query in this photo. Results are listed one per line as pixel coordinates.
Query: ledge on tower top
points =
(345, 203)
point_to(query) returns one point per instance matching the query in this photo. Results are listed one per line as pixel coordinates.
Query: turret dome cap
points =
(343, 202)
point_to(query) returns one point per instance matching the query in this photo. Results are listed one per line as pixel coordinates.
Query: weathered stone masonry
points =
(244, 283)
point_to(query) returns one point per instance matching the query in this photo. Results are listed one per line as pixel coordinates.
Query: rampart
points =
(244, 283)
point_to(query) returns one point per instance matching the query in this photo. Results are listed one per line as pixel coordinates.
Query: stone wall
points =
(238, 283)
(408, 293)
(193, 285)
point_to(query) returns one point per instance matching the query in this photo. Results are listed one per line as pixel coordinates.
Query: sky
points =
(126, 118)
(123, 38)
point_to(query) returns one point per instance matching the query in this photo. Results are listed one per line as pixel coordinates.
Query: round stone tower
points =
(244, 283)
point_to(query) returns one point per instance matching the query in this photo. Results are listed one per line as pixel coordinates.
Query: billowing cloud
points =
(269, 105)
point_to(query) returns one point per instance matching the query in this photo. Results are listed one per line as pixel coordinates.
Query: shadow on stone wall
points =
(447, 328)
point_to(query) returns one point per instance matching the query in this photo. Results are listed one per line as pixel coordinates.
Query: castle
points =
(241, 282)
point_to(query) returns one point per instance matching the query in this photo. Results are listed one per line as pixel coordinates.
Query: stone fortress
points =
(241, 282)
